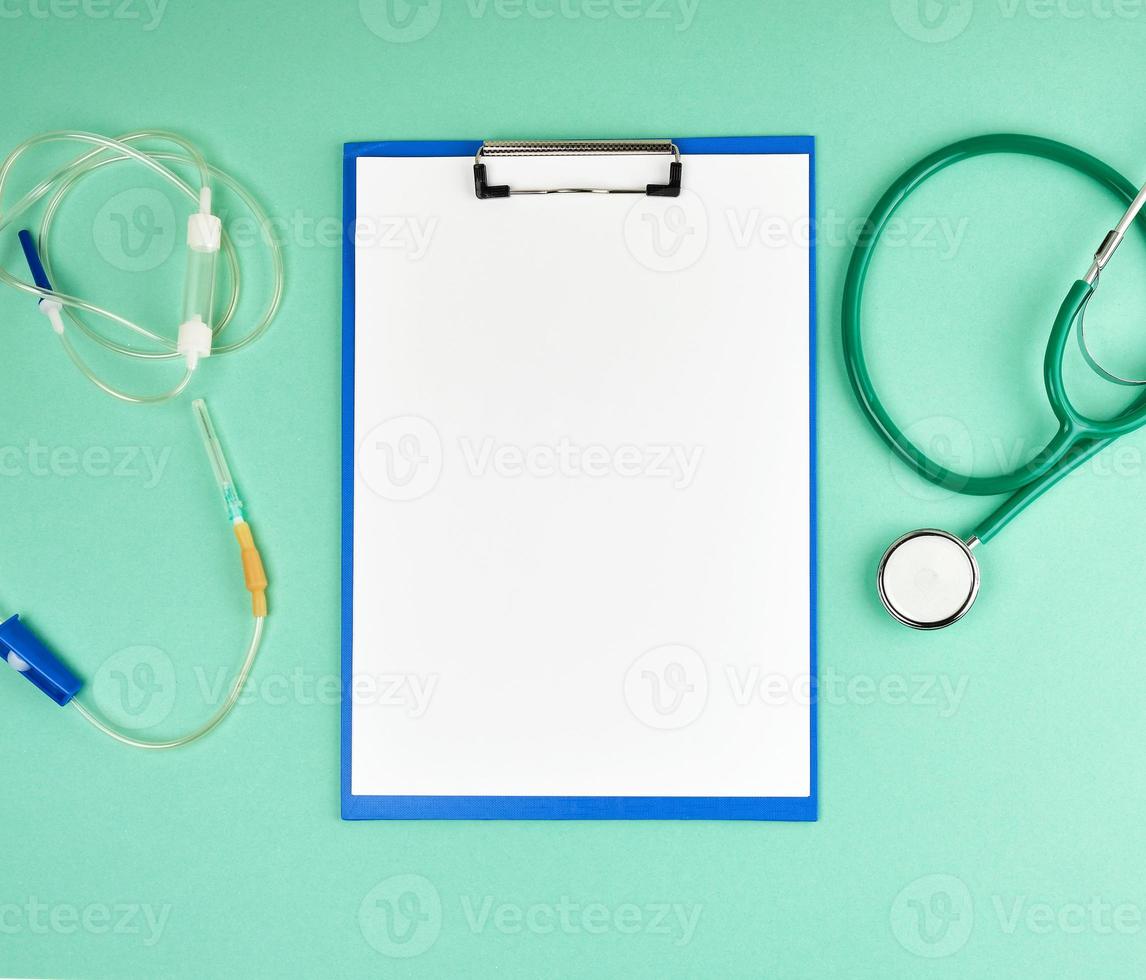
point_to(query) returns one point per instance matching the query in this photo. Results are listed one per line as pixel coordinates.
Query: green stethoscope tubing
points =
(1079, 436)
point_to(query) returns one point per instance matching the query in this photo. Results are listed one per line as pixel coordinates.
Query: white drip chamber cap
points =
(928, 579)
(204, 232)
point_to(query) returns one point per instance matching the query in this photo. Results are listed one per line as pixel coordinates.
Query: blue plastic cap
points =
(24, 652)
(28, 244)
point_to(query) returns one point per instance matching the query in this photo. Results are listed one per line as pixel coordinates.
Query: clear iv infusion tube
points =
(200, 282)
(223, 710)
(205, 239)
(219, 467)
(256, 584)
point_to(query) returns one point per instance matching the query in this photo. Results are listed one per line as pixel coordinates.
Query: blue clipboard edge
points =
(802, 808)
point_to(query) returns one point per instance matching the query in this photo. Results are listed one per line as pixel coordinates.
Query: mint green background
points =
(1027, 789)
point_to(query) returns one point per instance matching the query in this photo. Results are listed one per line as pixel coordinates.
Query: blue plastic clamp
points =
(25, 653)
(28, 244)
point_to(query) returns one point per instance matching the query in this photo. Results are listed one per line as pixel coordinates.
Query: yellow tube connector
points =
(253, 572)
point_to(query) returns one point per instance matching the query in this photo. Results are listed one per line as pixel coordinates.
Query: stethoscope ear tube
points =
(852, 319)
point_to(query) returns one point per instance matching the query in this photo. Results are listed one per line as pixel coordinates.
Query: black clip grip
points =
(672, 188)
(485, 190)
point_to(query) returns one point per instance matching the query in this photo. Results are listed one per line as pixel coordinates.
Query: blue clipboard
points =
(359, 807)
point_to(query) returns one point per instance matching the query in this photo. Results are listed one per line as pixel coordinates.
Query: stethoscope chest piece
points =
(928, 579)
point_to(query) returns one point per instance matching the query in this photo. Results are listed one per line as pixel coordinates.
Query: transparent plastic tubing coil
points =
(167, 164)
(178, 156)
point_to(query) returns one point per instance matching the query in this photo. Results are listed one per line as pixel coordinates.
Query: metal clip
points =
(502, 148)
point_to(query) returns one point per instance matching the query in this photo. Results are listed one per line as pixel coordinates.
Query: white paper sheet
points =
(582, 503)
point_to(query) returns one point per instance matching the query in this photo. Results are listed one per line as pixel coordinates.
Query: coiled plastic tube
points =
(166, 163)
(198, 333)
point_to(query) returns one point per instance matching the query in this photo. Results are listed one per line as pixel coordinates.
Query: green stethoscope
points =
(928, 579)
